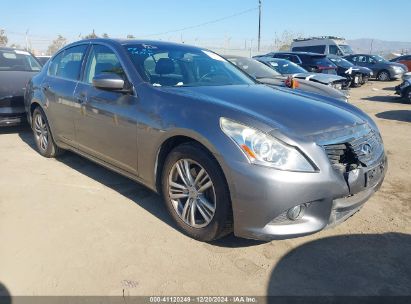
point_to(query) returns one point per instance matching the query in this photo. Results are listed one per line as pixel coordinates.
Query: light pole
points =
(259, 24)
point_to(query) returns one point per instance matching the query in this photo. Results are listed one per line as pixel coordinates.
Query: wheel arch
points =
(175, 140)
(32, 107)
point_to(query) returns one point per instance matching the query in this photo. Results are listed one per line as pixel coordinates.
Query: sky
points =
(209, 22)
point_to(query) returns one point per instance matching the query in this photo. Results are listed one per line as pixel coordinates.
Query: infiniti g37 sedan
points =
(227, 153)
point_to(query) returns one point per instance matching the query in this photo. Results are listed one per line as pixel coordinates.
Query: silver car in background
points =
(227, 153)
(269, 76)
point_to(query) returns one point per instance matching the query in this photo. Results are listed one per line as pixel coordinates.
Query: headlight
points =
(263, 149)
(337, 86)
(398, 69)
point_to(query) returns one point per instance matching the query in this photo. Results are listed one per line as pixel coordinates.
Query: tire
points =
(407, 96)
(42, 135)
(204, 215)
(383, 75)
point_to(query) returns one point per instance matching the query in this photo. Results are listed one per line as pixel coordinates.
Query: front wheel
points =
(383, 76)
(196, 193)
(42, 135)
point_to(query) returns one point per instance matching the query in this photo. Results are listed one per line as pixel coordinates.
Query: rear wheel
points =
(42, 135)
(383, 75)
(196, 193)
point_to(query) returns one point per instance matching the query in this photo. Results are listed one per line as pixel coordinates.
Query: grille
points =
(364, 150)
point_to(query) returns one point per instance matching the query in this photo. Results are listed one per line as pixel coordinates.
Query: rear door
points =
(58, 87)
(105, 121)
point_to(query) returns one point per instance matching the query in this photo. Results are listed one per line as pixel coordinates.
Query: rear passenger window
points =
(102, 60)
(67, 64)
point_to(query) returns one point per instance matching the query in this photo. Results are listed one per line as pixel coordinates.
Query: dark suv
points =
(312, 62)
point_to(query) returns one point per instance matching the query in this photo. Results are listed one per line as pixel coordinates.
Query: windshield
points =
(285, 67)
(254, 68)
(174, 65)
(379, 58)
(341, 62)
(346, 49)
(16, 60)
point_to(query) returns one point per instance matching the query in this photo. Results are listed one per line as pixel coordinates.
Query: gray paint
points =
(125, 133)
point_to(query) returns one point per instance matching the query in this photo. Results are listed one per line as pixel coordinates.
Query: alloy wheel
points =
(192, 193)
(383, 76)
(41, 132)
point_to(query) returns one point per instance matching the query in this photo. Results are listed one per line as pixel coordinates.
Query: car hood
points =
(319, 77)
(360, 69)
(307, 86)
(293, 114)
(13, 83)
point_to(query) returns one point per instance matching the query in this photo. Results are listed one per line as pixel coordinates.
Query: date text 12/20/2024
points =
(200, 299)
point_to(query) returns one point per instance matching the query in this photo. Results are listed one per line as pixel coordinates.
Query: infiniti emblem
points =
(366, 149)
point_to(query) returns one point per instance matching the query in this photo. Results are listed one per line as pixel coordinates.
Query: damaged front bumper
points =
(262, 197)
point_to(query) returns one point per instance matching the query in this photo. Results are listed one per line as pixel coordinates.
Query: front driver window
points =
(102, 60)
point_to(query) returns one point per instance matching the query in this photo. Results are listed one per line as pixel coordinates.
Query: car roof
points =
(236, 57)
(273, 59)
(5, 48)
(124, 42)
(300, 53)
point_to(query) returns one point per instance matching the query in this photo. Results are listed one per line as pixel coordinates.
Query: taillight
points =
(323, 67)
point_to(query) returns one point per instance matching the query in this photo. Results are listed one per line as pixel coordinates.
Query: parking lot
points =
(69, 226)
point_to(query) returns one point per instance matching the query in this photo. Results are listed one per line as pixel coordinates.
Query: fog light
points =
(296, 212)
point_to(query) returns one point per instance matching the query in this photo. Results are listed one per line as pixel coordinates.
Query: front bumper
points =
(261, 197)
(12, 111)
(396, 74)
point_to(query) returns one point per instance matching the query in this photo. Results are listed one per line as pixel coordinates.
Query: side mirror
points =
(109, 81)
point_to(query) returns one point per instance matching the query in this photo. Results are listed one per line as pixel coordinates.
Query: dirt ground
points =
(70, 227)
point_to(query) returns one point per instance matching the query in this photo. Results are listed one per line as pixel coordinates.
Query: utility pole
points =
(259, 24)
(27, 40)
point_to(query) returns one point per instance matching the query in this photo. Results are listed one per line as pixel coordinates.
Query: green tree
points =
(57, 44)
(91, 36)
(3, 37)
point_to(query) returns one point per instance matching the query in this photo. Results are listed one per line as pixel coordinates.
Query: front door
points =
(105, 120)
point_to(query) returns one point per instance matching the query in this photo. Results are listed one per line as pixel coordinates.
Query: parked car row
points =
(335, 47)
(269, 76)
